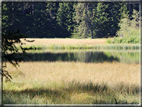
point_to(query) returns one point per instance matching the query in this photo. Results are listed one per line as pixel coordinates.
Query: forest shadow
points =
(75, 93)
(70, 56)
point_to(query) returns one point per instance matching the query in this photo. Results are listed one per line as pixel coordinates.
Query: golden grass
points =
(44, 42)
(111, 74)
(72, 83)
(73, 44)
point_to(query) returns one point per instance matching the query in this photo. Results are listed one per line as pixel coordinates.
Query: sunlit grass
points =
(94, 72)
(62, 41)
(72, 83)
(77, 44)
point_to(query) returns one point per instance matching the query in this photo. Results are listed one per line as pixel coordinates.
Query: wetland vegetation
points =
(75, 76)
(82, 53)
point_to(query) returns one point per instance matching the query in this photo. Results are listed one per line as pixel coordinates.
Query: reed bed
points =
(77, 50)
(94, 47)
(73, 83)
(73, 44)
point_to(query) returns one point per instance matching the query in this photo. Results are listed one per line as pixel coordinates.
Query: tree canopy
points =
(65, 19)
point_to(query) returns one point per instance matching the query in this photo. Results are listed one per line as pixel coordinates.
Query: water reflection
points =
(86, 56)
(127, 57)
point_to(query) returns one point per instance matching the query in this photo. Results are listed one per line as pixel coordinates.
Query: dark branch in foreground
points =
(10, 40)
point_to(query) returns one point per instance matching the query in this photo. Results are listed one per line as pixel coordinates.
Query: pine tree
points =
(107, 19)
(39, 21)
(84, 15)
(51, 10)
(65, 19)
(6, 16)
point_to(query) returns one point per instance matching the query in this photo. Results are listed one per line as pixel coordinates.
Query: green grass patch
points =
(70, 93)
(127, 39)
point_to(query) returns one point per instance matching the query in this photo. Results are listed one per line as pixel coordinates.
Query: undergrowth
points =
(129, 30)
(73, 93)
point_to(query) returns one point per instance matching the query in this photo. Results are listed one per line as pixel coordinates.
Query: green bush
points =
(127, 39)
(130, 29)
(117, 40)
(108, 41)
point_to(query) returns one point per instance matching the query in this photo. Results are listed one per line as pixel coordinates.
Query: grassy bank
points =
(72, 83)
(63, 41)
(72, 44)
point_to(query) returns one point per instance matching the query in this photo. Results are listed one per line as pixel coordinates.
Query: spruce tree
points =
(65, 19)
(84, 15)
(107, 19)
(51, 10)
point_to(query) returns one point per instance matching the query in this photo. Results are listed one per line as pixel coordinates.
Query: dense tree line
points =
(65, 19)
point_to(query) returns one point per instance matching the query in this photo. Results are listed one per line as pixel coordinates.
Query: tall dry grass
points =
(72, 83)
(71, 44)
(108, 73)
(44, 42)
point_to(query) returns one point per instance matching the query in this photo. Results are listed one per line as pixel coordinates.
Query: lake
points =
(87, 56)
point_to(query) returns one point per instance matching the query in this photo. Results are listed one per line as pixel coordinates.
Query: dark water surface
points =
(85, 56)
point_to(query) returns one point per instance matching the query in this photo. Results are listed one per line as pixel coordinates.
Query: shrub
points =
(117, 40)
(108, 41)
(128, 39)
(130, 29)
(124, 40)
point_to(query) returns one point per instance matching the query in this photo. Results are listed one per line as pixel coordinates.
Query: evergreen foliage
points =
(107, 19)
(129, 29)
(66, 19)
(84, 18)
